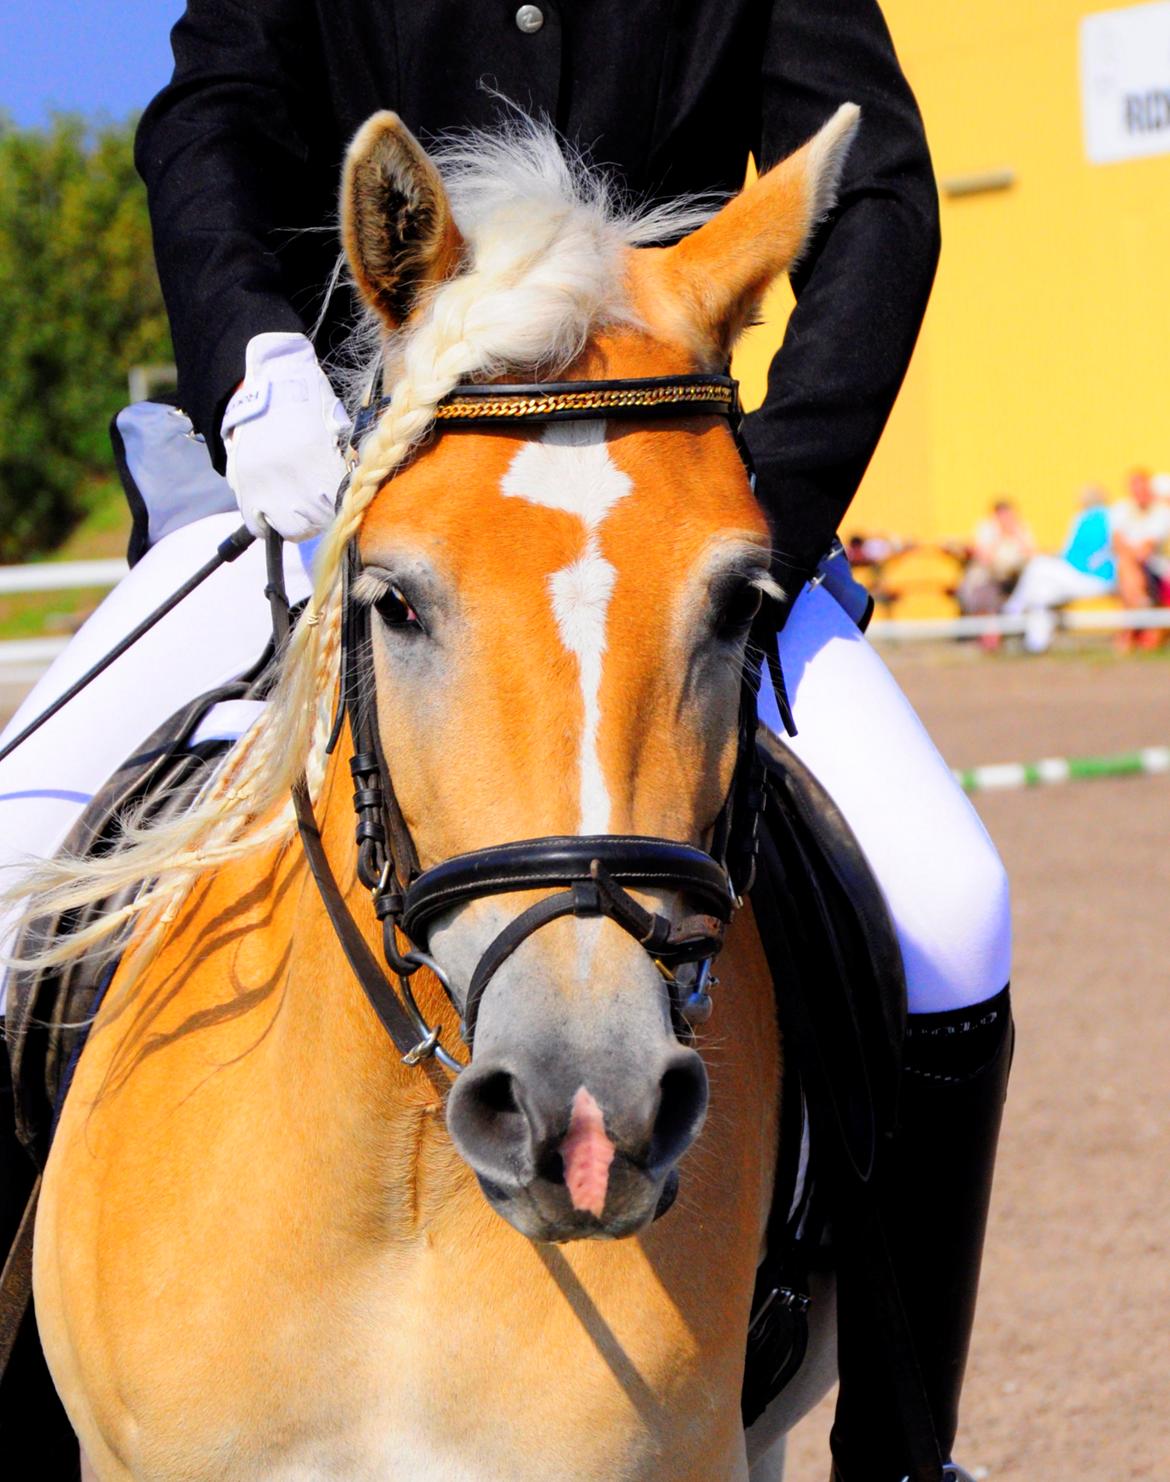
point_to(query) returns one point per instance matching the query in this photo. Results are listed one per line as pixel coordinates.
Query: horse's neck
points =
(255, 1092)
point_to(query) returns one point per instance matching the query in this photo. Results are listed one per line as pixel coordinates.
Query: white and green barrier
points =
(1050, 770)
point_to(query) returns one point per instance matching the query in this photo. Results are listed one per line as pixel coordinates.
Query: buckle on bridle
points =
(378, 891)
(693, 1004)
(429, 1044)
(424, 1049)
(697, 1007)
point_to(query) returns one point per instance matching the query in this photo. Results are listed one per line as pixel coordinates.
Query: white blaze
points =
(570, 469)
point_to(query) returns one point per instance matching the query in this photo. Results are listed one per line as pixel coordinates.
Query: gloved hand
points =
(284, 431)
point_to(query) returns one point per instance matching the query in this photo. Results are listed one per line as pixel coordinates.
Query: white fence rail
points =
(919, 630)
(61, 576)
(23, 660)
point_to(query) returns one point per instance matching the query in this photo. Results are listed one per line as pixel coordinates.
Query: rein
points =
(590, 875)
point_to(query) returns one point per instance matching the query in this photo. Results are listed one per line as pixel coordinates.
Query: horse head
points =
(559, 618)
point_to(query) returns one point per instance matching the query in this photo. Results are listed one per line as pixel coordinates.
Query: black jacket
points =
(241, 155)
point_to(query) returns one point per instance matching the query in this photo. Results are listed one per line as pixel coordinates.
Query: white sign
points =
(1125, 82)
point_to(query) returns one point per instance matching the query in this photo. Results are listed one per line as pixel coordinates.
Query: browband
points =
(472, 404)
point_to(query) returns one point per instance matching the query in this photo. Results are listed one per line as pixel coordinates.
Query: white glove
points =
(284, 431)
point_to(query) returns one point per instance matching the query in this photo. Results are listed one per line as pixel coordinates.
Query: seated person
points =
(1085, 568)
(1140, 527)
(1003, 545)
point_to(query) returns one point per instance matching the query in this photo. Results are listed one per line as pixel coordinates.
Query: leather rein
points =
(588, 875)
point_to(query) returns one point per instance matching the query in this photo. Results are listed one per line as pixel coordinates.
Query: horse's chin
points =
(543, 1211)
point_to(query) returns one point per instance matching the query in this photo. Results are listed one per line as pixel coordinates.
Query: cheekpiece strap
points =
(474, 405)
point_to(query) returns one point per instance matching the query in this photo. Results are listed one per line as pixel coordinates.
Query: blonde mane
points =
(546, 238)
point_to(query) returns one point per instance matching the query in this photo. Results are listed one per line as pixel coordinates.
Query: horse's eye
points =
(396, 612)
(736, 609)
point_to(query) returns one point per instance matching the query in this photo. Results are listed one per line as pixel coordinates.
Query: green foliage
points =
(79, 304)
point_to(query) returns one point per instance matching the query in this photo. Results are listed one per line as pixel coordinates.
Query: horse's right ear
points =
(707, 288)
(396, 221)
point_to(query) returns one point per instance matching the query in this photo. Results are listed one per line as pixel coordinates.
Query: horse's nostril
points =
(682, 1108)
(496, 1093)
(488, 1125)
(551, 1166)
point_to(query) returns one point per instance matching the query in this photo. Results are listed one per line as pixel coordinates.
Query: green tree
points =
(79, 304)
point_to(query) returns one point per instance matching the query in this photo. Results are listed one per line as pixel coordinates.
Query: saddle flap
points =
(50, 1009)
(843, 997)
(841, 1004)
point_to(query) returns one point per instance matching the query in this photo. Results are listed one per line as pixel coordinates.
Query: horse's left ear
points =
(396, 222)
(707, 288)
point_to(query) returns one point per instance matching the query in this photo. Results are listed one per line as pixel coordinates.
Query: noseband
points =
(588, 875)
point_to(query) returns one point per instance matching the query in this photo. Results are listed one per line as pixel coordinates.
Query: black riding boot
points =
(935, 1193)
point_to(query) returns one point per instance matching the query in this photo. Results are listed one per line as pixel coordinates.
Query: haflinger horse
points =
(266, 1247)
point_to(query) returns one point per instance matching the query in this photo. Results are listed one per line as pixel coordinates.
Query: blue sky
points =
(91, 56)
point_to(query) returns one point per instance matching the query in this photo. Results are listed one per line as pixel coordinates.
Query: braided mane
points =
(546, 238)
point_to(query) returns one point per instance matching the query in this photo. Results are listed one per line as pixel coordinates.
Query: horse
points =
(266, 1246)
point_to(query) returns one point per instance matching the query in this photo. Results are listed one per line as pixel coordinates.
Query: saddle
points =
(840, 994)
(50, 1009)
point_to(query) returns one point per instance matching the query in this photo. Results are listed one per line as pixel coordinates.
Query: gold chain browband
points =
(566, 401)
(609, 399)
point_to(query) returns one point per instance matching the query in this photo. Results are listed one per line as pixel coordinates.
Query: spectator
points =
(879, 548)
(1140, 527)
(1002, 548)
(1085, 568)
(855, 550)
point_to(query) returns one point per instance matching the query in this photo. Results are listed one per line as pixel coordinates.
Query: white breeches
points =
(942, 878)
(213, 636)
(1048, 582)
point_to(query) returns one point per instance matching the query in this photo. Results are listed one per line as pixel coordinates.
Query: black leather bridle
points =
(588, 875)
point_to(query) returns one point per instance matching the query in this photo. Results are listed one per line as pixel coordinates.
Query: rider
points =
(241, 155)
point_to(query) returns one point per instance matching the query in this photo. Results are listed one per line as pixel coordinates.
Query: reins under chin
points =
(581, 875)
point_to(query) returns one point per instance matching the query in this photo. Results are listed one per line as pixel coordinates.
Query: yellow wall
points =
(1044, 361)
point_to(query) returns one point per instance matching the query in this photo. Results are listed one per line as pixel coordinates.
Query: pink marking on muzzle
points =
(586, 1154)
